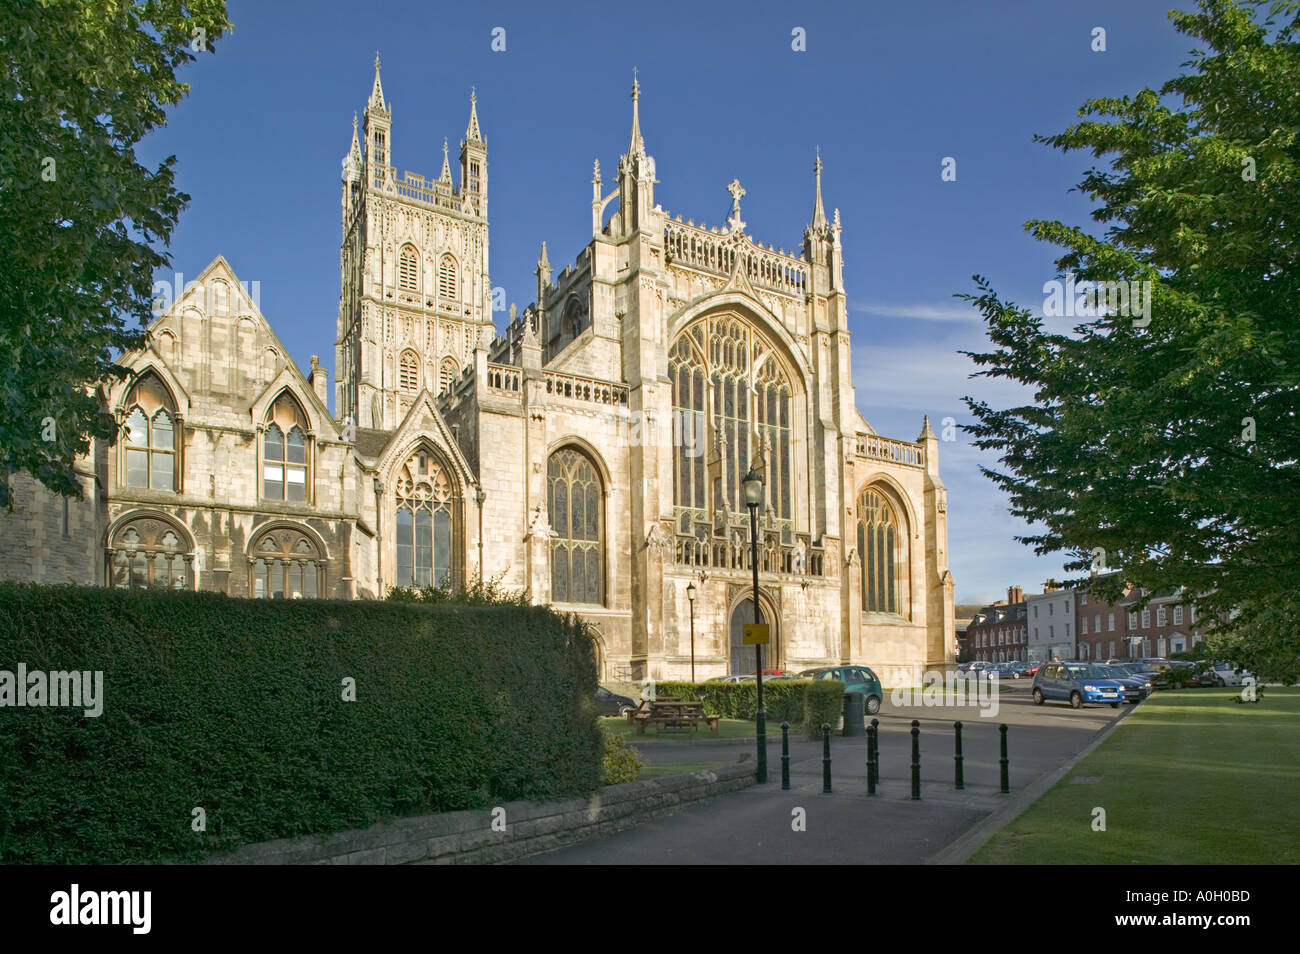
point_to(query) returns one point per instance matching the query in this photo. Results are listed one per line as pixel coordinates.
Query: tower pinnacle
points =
(819, 212)
(637, 146)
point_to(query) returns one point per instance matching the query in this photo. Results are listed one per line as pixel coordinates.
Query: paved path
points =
(849, 827)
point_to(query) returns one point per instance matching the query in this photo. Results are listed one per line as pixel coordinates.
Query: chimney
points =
(319, 380)
(1015, 594)
(1050, 586)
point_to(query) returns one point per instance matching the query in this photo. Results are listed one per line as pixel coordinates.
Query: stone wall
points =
(467, 837)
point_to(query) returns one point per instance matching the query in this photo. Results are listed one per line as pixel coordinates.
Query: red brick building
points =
(997, 632)
(1168, 624)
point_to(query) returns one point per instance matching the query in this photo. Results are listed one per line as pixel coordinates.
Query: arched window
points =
(285, 462)
(727, 373)
(573, 499)
(447, 284)
(285, 563)
(149, 444)
(448, 372)
(408, 268)
(409, 372)
(149, 552)
(882, 546)
(425, 504)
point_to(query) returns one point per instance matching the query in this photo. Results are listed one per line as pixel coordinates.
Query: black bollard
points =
(826, 758)
(916, 761)
(871, 765)
(1006, 778)
(875, 755)
(957, 758)
(785, 756)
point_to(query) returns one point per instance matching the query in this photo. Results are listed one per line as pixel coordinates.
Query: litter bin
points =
(855, 720)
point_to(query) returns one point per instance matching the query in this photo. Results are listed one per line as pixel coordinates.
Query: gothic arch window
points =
(286, 457)
(409, 372)
(448, 372)
(285, 563)
(148, 552)
(573, 499)
(149, 447)
(447, 283)
(882, 548)
(408, 268)
(732, 397)
(426, 521)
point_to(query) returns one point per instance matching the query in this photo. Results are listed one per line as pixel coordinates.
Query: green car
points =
(855, 679)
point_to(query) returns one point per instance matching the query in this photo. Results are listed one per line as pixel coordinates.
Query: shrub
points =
(783, 699)
(235, 706)
(824, 701)
(622, 762)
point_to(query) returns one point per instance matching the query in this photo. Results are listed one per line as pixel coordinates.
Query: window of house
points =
(1178, 616)
(286, 564)
(284, 452)
(149, 552)
(1110, 622)
(1146, 618)
(149, 445)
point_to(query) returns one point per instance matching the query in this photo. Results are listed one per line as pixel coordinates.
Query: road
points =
(758, 825)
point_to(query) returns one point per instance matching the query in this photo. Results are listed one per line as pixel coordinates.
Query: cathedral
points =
(594, 454)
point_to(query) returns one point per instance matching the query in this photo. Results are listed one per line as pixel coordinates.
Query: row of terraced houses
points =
(1070, 623)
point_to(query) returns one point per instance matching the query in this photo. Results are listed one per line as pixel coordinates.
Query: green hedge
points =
(801, 702)
(236, 706)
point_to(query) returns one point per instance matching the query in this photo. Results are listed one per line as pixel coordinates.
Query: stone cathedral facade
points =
(593, 454)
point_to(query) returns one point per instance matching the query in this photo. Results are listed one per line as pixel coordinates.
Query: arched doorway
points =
(742, 656)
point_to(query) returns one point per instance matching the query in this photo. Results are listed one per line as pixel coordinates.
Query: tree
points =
(80, 219)
(1163, 436)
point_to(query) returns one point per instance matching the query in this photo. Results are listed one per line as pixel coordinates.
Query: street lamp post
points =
(753, 497)
(690, 598)
(480, 495)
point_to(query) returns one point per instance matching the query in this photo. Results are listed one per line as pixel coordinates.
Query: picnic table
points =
(671, 713)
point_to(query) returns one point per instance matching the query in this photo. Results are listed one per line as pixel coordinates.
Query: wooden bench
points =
(672, 714)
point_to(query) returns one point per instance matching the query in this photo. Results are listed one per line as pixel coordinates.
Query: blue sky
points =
(886, 90)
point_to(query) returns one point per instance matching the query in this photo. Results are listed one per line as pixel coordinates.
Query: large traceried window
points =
(149, 553)
(882, 547)
(286, 564)
(425, 522)
(149, 443)
(573, 498)
(285, 458)
(733, 395)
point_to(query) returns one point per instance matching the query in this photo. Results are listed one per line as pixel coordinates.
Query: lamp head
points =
(690, 592)
(753, 489)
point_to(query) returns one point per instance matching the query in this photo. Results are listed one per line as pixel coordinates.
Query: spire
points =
(819, 212)
(356, 145)
(637, 146)
(543, 263)
(446, 166)
(377, 90)
(472, 133)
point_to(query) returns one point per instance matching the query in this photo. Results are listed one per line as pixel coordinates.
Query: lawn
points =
(1191, 777)
(727, 729)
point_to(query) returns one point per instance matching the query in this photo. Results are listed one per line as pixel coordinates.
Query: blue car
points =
(1077, 683)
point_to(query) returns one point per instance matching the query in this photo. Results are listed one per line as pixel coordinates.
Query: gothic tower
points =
(415, 296)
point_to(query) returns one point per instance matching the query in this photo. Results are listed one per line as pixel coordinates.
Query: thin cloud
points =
(949, 311)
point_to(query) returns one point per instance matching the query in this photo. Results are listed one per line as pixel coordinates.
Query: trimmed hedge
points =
(806, 702)
(236, 706)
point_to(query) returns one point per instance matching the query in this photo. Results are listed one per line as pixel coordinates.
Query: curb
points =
(966, 844)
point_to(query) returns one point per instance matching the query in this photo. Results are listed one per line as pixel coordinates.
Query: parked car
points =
(1004, 670)
(1137, 685)
(1077, 683)
(1227, 674)
(855, 679)
(734, 678)
(1019, 669)
(1185, 674)
(1032, 669)
(611, 703)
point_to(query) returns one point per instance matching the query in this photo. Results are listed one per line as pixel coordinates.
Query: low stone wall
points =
(467, 837)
